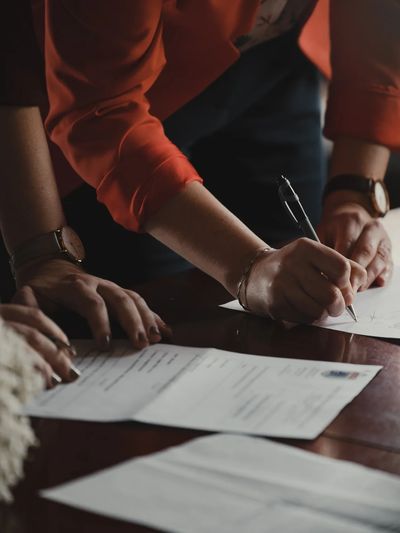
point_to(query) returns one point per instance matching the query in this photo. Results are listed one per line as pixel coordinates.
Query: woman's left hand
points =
(350, 229)
(55, 283)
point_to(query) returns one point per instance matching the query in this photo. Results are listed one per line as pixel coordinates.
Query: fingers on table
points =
(134, 315)
(57, 359)
(34, 318)
(41, 365)
(94, 298)
(81, 296)
(165, 330)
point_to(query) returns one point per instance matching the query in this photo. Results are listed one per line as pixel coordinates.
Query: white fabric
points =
(18, 383)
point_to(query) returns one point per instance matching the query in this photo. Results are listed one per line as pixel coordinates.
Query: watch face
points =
(72, 243)
(381, 198)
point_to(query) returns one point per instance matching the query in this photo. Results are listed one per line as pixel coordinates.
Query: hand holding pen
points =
(293, 206)
(287, 284)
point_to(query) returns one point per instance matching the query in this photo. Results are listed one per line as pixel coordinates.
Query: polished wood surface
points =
(367, 431)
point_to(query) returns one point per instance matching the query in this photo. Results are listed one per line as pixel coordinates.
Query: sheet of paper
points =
(114, 386)
(227, 391)
(206, 389)
(378, 312)
(235, 484)
(391, 223)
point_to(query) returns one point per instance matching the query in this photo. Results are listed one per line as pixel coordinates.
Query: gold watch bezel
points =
(62, 242)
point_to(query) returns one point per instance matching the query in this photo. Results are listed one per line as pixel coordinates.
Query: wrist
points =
(371, 194)
(238, 287)
(62, 243)
(49, 265)
(337, 199)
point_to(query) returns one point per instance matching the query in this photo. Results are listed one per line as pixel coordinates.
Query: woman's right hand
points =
(302, 282)
(54, 352)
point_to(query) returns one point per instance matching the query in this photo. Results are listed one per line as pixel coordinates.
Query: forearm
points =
(198, 227)
(30, 206)
(29, 199)
(355, 156)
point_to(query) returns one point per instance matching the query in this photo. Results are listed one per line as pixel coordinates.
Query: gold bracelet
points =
(246, 275)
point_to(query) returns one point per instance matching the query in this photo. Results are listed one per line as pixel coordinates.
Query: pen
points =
(292, 204)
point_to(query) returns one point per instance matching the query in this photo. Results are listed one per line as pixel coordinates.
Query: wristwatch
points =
(375, 191)
(63, 243)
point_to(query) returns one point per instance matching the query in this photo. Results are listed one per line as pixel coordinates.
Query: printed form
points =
(206, 389)
(235, 484)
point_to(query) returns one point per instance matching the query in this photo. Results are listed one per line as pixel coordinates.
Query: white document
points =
(206, 389)
(378, 312)
(115, 385)
(238, 484)
(391, 223)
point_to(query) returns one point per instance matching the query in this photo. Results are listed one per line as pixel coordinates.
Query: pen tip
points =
(352, 313)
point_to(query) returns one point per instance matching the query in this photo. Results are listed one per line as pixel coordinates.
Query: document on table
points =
(391, 223)
(378, 312)
(206, 389)
(235, 484)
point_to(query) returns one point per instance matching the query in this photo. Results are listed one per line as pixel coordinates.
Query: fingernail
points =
(58, 342)
(55, 379)
(71, 348)
(74, 373)
(142, 338)
(62, 345)
(167, 333)
(153, 330)
(106, 342)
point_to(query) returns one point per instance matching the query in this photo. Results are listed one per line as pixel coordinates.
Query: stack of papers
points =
(237, 484)
(206, 389)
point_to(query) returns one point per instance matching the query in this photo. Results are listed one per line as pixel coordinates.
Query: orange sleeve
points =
(364, 96)
(101, 58)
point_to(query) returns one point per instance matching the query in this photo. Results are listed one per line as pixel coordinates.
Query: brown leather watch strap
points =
(49, 244)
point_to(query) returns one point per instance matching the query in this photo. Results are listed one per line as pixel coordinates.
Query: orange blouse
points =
(116, 69)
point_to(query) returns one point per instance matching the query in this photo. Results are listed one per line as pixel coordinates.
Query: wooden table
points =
(367, 431)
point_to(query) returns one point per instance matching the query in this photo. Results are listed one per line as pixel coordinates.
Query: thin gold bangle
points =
(246, 275)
